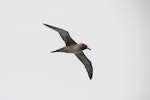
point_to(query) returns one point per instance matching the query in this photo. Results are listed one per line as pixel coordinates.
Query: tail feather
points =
(58, 50)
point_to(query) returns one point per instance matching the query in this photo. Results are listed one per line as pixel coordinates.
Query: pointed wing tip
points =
(90, 72)
(90, 76)
(45, 24)
(52, 27)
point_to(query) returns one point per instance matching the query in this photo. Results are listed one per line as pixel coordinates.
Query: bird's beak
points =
(88, 48)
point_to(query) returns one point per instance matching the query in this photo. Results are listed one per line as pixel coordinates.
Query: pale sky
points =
(117, 31)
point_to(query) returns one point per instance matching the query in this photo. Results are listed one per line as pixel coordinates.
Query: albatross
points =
(73, 47)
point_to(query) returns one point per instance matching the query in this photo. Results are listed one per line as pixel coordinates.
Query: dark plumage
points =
(73, 47)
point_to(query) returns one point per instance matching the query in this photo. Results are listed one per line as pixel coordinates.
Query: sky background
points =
(117, 31)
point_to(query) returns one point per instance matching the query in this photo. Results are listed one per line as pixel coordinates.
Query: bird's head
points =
(84, 46)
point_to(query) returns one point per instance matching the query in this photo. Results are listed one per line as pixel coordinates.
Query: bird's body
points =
(73, 47)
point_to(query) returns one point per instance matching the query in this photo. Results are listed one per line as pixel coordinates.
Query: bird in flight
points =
(73, 47)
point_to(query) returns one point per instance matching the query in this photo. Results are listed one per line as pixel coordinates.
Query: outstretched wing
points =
(87, 63)
(64, 35)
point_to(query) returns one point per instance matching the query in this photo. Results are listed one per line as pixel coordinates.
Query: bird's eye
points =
(85, 46)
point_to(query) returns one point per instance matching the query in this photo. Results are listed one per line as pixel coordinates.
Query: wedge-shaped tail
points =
(58, 50)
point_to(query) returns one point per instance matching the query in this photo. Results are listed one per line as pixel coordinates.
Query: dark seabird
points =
(73, 47)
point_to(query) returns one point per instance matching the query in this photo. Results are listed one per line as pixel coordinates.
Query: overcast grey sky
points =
(117, 31)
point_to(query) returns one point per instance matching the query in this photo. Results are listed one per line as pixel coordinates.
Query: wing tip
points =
(90, 73)
(44, 24)
(52, 27)
(90, 76)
